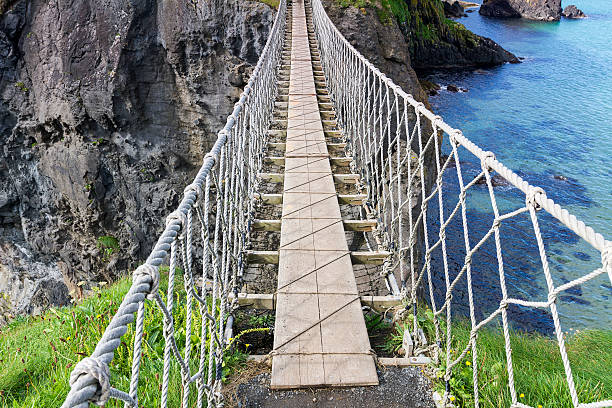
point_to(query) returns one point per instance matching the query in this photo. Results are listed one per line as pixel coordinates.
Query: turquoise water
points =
(550, 116)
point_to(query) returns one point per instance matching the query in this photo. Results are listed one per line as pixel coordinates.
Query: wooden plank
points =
(322, 239)
(272, 199)
(266, 225)
(352, 199)
(315, 272)
(262, 257)
(360, 225)
(381, 303)
(346, 178)
(404, 362)
(268, 301)
(349, 225)
(370, 258)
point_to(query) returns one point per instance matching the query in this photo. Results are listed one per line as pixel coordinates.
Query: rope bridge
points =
(396, 145)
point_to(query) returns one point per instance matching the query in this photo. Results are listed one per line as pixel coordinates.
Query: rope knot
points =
(437, 121)
(152, 272)
(487, 158)
(452, 137)
(100, 372)
(196, 188)
(179, 217)
(496, 223)
(468, 259)
(530, 198)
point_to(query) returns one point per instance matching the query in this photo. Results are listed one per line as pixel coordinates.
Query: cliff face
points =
(437, 42)
(380, 40)
(545, 10)
(106, 110)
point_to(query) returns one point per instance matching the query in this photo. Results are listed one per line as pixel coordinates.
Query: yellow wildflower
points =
(467, 363)
(522, 395)
(452, 398)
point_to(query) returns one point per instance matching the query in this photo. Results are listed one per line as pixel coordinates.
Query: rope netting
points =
(398, 145)
(206, 236)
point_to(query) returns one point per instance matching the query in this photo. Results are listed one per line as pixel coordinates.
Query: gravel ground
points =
(399, 387)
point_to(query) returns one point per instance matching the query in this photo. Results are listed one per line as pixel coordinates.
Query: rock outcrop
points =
(572, 11)
(452, 8)
(544, 10)
(106, 110)
(437, 42)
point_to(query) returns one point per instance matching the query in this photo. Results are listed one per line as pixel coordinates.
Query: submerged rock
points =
(544, 10)
(572, 11)
(452, 88)
(496, 181)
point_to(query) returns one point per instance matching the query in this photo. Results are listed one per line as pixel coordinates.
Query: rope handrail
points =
(396, 143)
(226, 180)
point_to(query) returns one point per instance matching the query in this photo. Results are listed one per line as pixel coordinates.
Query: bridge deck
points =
(320, 334)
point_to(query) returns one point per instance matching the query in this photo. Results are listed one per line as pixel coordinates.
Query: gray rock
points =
(572, 11)
(106, 111)
(452, 8)
(544, 10)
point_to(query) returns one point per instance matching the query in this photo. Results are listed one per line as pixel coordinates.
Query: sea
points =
(550, 120)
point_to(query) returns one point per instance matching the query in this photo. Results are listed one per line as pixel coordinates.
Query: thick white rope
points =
(377, 117)
(235, 157)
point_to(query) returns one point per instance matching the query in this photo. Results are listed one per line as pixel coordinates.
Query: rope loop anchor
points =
(153, 272)
(530, 198)
(98, 370)
(488, 157)
(452, 137)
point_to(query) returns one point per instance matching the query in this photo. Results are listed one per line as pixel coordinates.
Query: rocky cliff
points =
(437, 42)
(106, 110)
(545, 10)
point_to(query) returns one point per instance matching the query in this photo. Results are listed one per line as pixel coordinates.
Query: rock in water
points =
(452, 88)
(452, 8)
(544, 10)
(572, 11)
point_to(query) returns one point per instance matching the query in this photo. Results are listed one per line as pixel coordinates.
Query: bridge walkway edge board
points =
(320, 337)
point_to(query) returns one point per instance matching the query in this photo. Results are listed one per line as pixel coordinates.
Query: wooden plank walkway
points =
(320, 337)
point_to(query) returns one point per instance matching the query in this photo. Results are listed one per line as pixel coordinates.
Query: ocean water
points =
(550, 120)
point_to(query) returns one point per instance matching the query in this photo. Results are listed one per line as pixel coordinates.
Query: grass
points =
(37, 354)
(538, 369)
(271, 3)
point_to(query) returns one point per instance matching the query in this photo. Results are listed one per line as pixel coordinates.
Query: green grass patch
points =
(37, 354)
(538, 369)
(271, 3)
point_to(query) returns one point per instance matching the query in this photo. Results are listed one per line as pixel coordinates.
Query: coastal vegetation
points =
(38, 353)
(538, 368)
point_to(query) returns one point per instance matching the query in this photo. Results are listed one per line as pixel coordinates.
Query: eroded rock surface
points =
(545, 10)
(106, 110)
(572, 11)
